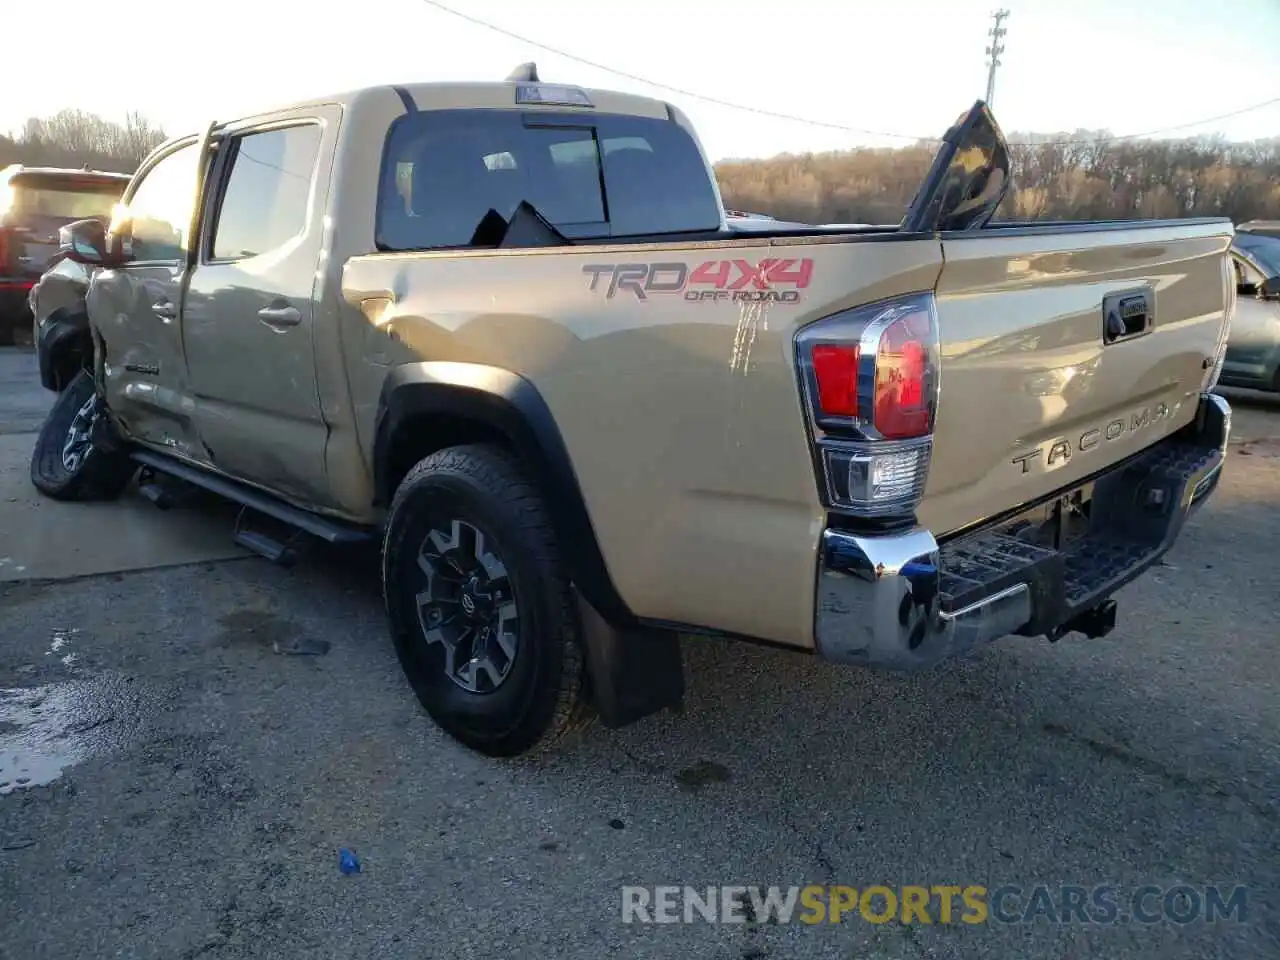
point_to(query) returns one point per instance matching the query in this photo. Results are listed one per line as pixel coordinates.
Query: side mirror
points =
(85, 242)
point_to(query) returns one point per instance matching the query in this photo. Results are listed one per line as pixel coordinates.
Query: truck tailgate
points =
(1034, 396)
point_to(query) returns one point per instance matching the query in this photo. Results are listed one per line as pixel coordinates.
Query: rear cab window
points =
(61, 198)
(596, 176)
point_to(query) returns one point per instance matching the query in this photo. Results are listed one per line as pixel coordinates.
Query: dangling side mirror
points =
(84, 241)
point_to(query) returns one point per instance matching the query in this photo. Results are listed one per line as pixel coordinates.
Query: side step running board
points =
(156, 493)
(331, 531)
(264, 545)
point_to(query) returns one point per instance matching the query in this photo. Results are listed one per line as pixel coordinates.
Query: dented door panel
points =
(136, 308)
(250, 313)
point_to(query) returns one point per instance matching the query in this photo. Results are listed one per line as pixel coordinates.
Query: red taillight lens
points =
(902, 393)
(835, 368)
(872, 421)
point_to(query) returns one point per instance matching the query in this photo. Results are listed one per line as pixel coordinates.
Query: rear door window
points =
(268, 192)
(593, 177)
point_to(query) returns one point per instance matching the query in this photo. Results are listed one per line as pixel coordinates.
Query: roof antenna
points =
(525, 73)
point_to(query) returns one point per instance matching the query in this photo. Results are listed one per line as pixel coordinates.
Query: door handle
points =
(165, 309)
(280, 316)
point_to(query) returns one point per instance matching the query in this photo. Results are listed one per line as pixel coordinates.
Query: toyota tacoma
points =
(505, 332)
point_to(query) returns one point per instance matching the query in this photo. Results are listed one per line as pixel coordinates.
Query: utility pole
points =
(994, 52)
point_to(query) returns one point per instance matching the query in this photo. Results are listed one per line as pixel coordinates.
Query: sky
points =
(902, 67)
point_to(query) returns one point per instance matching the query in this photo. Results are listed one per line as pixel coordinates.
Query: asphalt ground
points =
(172, 786)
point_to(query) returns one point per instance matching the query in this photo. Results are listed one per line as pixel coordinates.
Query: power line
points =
(596, 65)
(1152, 133)
(663, 86)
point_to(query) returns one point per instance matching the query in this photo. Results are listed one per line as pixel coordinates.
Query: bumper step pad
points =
(1134, 515)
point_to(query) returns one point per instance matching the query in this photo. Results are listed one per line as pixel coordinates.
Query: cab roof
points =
(473, 95)
(451, 95)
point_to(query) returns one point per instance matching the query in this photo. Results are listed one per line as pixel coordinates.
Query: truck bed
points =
(702, 382)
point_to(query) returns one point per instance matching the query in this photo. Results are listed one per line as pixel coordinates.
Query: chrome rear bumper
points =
(889, 601)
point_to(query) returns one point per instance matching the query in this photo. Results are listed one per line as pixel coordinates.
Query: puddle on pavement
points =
(59, 646)
(46, 729)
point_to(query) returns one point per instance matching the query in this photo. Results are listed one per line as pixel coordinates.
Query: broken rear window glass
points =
(445, 170)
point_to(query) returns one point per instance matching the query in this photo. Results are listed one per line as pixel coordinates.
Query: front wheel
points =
(72, 460)
(481, 611)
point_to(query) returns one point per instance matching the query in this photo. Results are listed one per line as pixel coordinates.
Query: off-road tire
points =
(544, 695)
(103, 472)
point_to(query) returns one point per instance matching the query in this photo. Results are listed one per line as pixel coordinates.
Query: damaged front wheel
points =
(70, 460)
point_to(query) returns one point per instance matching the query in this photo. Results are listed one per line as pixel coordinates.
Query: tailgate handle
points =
(1127, 315)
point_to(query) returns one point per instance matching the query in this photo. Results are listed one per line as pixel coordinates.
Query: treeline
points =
(1056, 177)
(1053, 180)
(74, 138)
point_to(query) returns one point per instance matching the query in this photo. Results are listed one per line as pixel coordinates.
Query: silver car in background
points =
(1253, 351)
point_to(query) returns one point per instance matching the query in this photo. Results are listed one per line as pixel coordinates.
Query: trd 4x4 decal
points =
(716, 280)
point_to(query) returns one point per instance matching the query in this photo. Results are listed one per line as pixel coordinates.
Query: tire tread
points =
(102, 476)
(497, 472)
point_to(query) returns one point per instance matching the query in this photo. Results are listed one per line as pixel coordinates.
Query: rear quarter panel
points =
(682, 419)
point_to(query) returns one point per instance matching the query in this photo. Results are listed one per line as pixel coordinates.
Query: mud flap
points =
(633, 672)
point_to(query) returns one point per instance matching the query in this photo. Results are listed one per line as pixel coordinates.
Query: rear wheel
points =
(75, 457)
(480, 608)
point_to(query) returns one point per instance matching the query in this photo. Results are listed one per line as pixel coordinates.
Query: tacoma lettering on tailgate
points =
(1061, 450)
(715, 280)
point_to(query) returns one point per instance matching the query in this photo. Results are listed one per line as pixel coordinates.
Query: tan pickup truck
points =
(507, 330)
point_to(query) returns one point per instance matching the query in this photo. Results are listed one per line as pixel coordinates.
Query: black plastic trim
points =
(327, 530)
(500, 400)
(634, 672)
(64, 346)
(409, 105)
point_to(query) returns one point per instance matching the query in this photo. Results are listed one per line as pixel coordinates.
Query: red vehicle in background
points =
(34, 203)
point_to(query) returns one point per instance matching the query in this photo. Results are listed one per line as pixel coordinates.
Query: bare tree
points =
(1060, 176)
(75, 138)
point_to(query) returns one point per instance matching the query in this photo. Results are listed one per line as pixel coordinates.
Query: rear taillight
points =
(835, 370)
(871, 384)
(903, 399)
